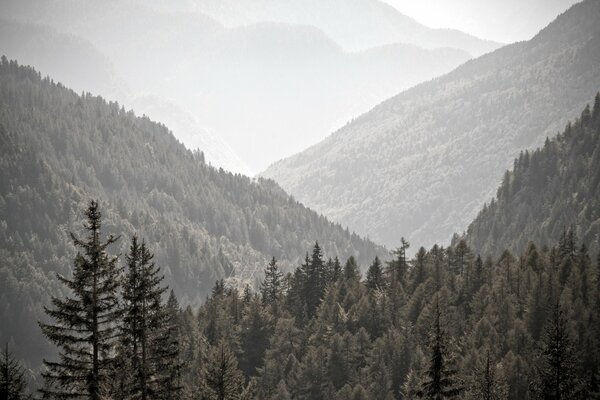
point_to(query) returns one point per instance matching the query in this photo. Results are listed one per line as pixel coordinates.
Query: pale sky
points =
(504, 21)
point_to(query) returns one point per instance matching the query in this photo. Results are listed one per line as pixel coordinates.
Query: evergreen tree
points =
(375, 279)
(221, 377)
(12, 377)
(441, 378)
(558, 373)
(271, 287)
(145, 329)
(487, 383)
(84, 327)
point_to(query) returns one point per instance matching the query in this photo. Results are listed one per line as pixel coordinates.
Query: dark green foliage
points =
(272, 286)
(552, 194)
(375, 279)
(441, 380)
(559, 374)
(12, 377)
(147, 340)
(221, 379)
(84, 325)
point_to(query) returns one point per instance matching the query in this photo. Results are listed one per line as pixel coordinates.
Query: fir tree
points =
(221, 376)
(84, 327)
(441, 377)
(487, 383)
(145, 330)
(271, 287)
(375, 279)
(12, 377)
(558, 373)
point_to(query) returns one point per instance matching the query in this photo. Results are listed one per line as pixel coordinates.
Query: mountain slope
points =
(421, 163)
(354, 24)
(59, 150)
(267, 90)
(548, 190)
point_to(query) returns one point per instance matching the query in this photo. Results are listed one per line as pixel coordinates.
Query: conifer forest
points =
(167, 233)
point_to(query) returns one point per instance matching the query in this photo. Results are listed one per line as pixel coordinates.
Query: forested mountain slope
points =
(421, 163)
(547, 191)
(59, 150)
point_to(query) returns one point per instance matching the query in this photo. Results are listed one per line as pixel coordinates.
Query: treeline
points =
(445, 324)
(547, 189)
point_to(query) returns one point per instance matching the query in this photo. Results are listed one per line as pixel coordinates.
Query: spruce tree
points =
(441, 377)
(220, 375)
(271, 287)
(559, 374)
(375, 279)
(145, 322)
(84, 322)
(12, 377)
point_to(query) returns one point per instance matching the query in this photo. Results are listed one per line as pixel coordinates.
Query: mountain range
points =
(422, 163)
(59, 150)
(212, 71)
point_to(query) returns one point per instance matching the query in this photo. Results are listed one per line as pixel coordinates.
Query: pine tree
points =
(271, 287)
(145, 328)
(487, 383)
(221, 376)
(558, 373)
(12, 377)
(168, 353)
(441, 378)
(84, 327)
(375, 279)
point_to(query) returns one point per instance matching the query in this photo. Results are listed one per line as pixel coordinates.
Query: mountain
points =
(547, 191)
(421, 164)
(59, 150)
(266, 90)
(505, 21)
(354, 24)
(81, 66)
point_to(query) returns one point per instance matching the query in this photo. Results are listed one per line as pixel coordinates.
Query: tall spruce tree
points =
(12, 377)
(221, 377)
(146, 335)
(441, 377)
(559, 374)
(375, 280)
(271, 286)
(84, 322)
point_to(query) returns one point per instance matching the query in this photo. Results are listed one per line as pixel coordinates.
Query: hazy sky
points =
(504, 21)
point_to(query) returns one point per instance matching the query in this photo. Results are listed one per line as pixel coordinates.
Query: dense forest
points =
(421, 164)
(446, 324)
(548, 190)
(59, 149)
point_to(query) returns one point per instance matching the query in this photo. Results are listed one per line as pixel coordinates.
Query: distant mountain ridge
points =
(266, 90)
(58, 150)
(549, 190)
(421, 164)
(354, 24)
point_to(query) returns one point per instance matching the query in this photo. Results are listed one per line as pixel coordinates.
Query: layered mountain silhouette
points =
(422, 163)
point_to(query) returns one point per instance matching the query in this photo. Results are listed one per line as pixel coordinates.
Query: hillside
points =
(81, 66)
(421, 163)
(59, 150)
(547, 191)
(287, 84)
(355, 24)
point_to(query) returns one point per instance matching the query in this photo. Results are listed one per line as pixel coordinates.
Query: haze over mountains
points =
(58, 150)
(504, 21)
(422, 163)
(254, 93)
